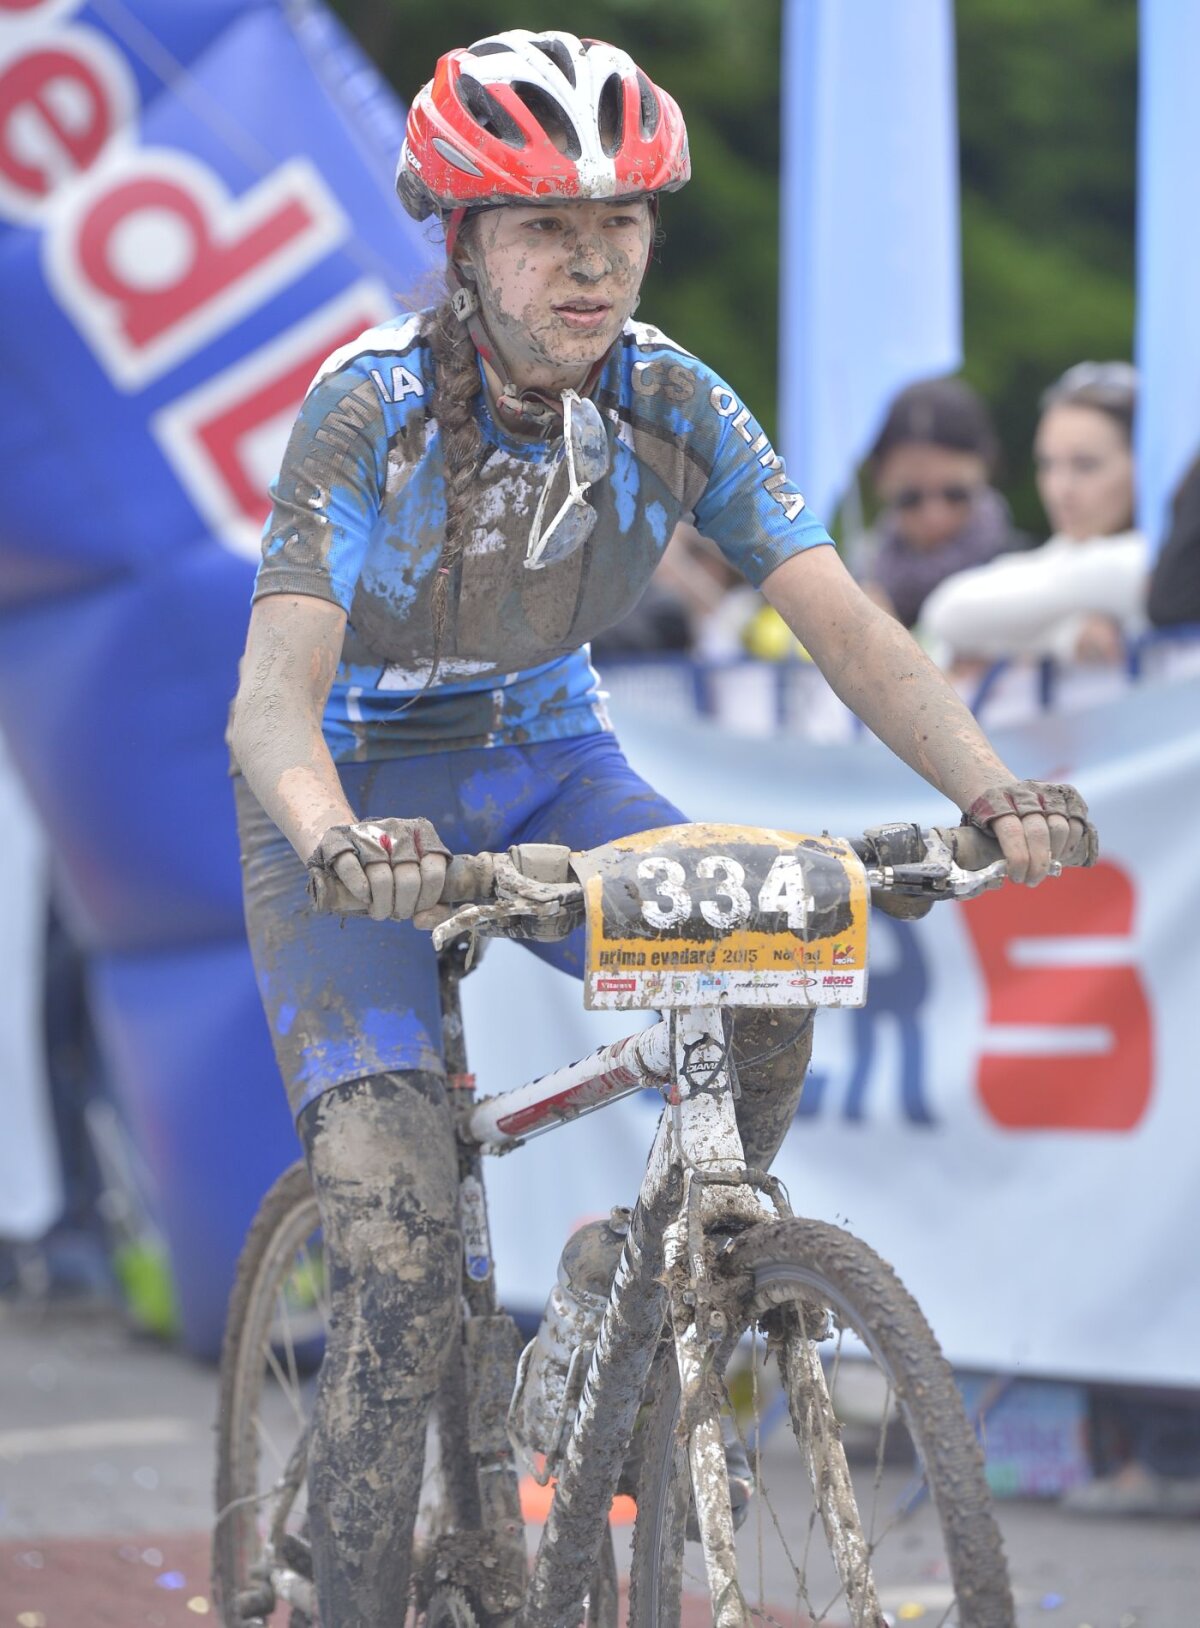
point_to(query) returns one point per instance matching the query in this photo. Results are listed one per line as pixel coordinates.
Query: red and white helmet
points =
(538, 116)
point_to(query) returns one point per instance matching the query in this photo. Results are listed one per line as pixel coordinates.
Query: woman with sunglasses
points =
(931, 466)
(1080, 595)
(468, 495)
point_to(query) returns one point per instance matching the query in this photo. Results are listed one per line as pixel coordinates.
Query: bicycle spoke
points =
(265, 1435)
(291, 1384)
(880, 1454)
(293, 1397)
(290, 1345)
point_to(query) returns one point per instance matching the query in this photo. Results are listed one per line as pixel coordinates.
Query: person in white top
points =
(1080, 595)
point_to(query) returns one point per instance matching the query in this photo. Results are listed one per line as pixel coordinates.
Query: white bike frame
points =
(696, 1178)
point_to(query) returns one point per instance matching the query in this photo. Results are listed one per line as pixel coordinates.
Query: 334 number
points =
(782, 892)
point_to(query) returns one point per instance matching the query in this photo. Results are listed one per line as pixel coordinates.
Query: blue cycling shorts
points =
(346, 999)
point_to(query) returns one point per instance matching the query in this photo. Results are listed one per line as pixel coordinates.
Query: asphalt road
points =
(105, 1497)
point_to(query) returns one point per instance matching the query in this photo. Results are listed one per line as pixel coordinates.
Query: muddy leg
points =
(381, 1152)
(771, 1050)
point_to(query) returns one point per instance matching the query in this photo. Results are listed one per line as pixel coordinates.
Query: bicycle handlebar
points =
(471, 878)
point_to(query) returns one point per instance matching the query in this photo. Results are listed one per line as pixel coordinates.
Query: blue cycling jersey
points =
(358, 518)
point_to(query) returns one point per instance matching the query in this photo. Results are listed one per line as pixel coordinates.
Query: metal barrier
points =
(790, 697)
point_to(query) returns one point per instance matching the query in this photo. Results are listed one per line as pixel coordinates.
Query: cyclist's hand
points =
(1036, 823)
(394, 869)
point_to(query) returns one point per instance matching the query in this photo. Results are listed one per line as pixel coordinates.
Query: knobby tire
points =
(794, 1267)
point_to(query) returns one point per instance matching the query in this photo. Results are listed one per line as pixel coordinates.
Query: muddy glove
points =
(1036, 822)
(386, 869)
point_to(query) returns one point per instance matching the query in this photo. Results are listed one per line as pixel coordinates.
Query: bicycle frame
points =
(696, 1178)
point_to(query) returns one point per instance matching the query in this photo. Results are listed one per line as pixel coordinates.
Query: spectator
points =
(930, 466)
(1175, 581)
(1079, 595)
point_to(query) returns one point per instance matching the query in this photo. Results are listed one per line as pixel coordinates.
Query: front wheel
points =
(871, 1492)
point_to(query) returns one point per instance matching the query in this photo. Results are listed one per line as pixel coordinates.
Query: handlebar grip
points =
(974, 849)
(469, 880)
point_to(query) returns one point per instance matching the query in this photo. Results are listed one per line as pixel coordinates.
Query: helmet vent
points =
(453, 156)
(551, 117)
(610, 110)
(488, 113)
(488, 48)
(559, 55)
(651, 111)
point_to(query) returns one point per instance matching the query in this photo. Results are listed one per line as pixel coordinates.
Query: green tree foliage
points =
(1047, 112)
(1047, 98)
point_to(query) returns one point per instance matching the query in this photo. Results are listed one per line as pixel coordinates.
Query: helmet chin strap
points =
(527, 411)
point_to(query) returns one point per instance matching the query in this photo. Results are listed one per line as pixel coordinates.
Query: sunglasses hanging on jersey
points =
(584, 454)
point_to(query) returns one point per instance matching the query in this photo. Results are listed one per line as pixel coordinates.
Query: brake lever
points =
(549, 909)
(939, 874)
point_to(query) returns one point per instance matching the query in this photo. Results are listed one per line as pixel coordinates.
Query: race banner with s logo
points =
(1010, 1118)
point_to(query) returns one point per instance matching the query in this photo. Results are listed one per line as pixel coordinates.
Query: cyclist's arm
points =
(881, 673)
(292, 652)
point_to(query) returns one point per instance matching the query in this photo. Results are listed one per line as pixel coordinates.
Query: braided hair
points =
(457, 383)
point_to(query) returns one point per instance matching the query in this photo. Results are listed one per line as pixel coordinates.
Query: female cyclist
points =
(469, 495)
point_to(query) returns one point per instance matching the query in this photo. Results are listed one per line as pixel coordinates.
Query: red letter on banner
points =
(226, 438)
(61, 102)
(158, 258)
(1070, 1041)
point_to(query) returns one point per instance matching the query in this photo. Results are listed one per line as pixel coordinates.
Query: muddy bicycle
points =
(677, 1327)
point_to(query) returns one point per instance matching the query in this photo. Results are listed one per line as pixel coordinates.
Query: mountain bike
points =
(679, 1328)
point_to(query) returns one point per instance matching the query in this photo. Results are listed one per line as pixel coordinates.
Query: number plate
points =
(724, 914)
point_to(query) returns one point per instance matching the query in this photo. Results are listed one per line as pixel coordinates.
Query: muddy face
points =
(557, 283)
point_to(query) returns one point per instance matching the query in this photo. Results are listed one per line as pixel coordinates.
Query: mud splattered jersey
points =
(358, 518)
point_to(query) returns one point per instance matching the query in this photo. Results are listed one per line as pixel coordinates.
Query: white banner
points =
(1011, 1121)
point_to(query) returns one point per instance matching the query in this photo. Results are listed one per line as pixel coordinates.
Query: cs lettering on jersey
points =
(726, 405)
(663, 378)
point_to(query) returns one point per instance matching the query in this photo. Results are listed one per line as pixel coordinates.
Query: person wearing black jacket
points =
(1175, 580)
